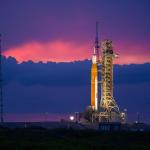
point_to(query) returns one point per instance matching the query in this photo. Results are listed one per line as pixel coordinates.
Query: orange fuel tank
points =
(94, 85)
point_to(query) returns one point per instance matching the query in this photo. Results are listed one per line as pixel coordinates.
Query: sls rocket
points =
(94, 73)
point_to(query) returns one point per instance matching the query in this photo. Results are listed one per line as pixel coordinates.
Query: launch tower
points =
(109, 111)
(103, 105)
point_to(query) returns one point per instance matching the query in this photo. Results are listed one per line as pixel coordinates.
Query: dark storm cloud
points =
(46, 74)
(65, 87)
(68, 74)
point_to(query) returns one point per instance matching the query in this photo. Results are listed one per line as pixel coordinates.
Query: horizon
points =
(73, 61)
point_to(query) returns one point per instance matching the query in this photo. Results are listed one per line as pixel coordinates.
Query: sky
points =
(64, 31)
(51, 42)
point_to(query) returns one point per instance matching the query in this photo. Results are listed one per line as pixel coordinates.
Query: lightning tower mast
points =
(1, 90)
(97, 43)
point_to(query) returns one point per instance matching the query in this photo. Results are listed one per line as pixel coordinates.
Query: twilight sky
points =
(64, 30)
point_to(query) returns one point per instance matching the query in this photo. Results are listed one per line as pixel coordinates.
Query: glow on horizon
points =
(62, 51)
(56, 51)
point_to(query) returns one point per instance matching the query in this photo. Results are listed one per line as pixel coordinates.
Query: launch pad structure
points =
(103, 106)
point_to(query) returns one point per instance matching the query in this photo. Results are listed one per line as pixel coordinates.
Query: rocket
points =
(94, 83)
(94, 73)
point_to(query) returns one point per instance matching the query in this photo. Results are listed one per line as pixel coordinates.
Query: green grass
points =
(62, 139)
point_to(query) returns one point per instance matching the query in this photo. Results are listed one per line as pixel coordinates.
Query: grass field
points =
(62, 139)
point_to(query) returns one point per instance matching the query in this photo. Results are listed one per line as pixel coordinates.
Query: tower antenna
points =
(97, 41)
(1, 89)
(96, 31)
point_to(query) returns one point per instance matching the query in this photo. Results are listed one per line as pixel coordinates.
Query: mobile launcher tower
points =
(103, 105)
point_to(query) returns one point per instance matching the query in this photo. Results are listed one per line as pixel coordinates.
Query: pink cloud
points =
(62, 51)
(132, 53)
(56, 51)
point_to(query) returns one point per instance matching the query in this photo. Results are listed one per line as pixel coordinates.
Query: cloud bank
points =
(35, 88)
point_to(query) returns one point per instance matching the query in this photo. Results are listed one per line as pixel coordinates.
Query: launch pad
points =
(103, 106)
